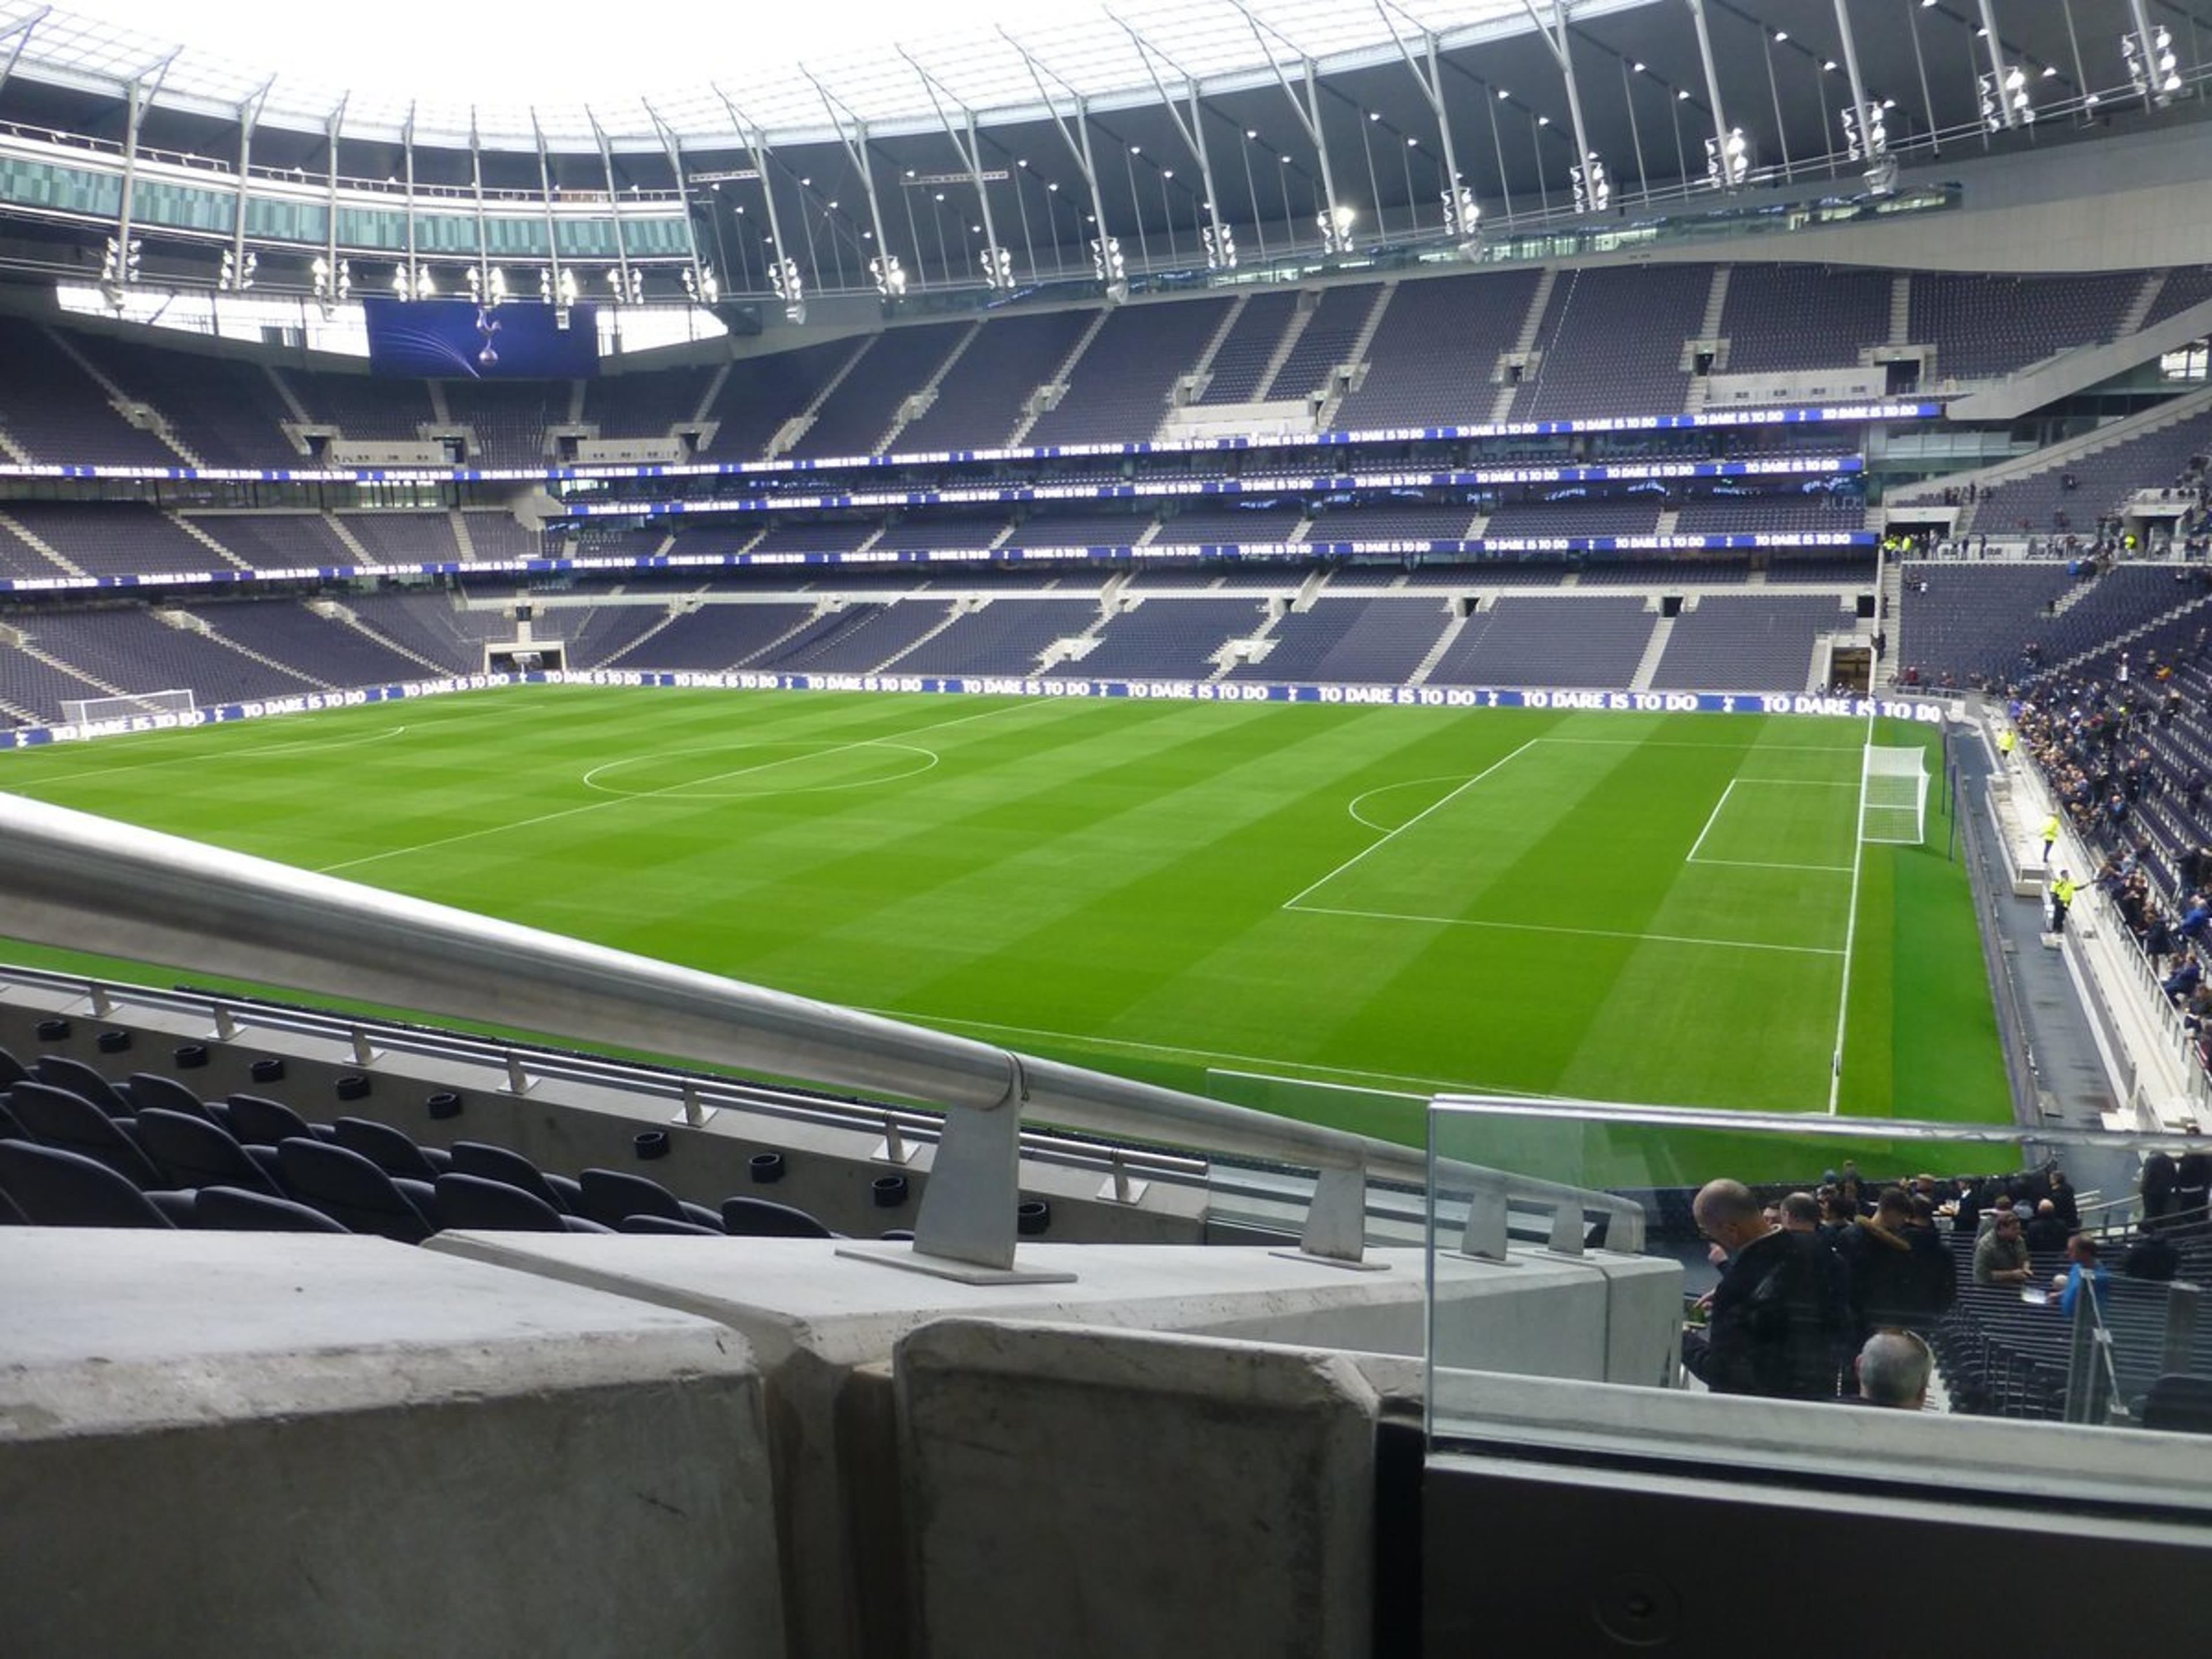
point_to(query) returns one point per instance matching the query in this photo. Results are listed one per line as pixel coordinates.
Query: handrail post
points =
(1486, 1236)
(2181, 1303)
(1336, 1218)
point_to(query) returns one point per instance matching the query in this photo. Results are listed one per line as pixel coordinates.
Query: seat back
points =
(472, 1201)
(57, 1117)
(191, 1152)
(257, 1120)
(55, 1187)
(12, 1070)
(152, 1089)
(350, 1189)
(80, 1079)
(661, 1224)
(2179, 1403)
(758, 1218)
(387, 1148)
(490, 1162)
(235, 1210)
(611, 1196)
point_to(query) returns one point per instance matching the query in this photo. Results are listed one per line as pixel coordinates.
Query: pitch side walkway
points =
(2054, 1026)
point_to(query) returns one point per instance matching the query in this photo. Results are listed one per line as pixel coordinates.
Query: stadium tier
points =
(862, 409)
(1248, 352)
(1120, 386)
(1727, 642)
(1410, 382)
(992, 388)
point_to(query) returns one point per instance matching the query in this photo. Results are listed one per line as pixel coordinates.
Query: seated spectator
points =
(2001, 1254)
(1893, 1370)
(2182, 982)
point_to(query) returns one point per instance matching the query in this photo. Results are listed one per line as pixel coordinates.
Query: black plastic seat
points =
(491, 1162)
(59, 1117)
(390, 1150)
(482, 1205)
(152, 1089)
(79, 1078)
(610, 1196)
(12, 1070)
(54, 1188)
(2179, 1403)
(191, 1152)
(351, 1190)
(235, 1210)
(258, 1121)
(661, 1224)
(759, 1218)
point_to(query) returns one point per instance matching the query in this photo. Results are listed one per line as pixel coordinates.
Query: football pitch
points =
(1329, 910)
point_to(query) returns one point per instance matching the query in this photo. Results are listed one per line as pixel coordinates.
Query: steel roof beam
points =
(672, 146)
(1194, 130)
(141, 97)
(614, 208)
(329, 294)
(755, 142)
(20, 31)
(1431, 80)
(1556, 39)
(971, 156)
(552, 228)
(249, 117)
(855, 145)
(1079, 146)
(1308, 110)
(1713, 91)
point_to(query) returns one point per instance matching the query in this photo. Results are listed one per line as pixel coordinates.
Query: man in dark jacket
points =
(1776, 1320)
(1900, 1274)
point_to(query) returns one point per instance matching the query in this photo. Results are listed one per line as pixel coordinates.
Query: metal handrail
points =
(85, 883)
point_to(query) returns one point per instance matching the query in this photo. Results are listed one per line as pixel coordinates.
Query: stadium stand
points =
(1984, 327)
(648, 403)
(987, 392)
(1332, 325)
(713, 637)
(508, 421)
(1120, 386)
(228, 414)
(403, 538)
(114, 539)
(127, 649)
(52, 410)
(1549, 641)
(1241, 363)
(1613, 339)
(1165, 639)
(276, 540)
(1376, 641)
(1409, 381)
(1727, 642)
(361, 407)
(1006, 635)
(853, 418)
(1788, 317)
(760, 395)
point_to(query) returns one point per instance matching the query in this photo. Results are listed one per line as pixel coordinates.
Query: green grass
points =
(1397, 900)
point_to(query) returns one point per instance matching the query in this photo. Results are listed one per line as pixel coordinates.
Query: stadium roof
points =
(775, 72)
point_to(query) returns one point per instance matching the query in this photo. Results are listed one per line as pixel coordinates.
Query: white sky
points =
(550, 53)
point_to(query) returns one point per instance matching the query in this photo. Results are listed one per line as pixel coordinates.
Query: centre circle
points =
(753, 770)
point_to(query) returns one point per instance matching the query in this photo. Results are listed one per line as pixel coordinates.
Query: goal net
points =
(86, 711)
(1893, 795)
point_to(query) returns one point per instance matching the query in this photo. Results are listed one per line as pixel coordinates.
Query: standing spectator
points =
(2157, 1187)
(1775, 1319)
(2081, 1254)
(1901, 1273)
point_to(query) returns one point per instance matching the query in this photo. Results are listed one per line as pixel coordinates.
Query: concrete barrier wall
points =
(229, 1444)
(1076, 1491)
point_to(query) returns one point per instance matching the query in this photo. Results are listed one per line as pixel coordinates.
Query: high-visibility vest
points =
(2064, 891)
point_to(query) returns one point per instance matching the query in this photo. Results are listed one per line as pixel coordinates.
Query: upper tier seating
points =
(1435, 354)
(1241, 362)
(1080, 526)
(982, 396)
(645, 405)
(1773, 513)
(229, 413)
(403, 537)
(2186, 286)
(1629, 515)
(854, 419)
(1729, 642)
(1122, 384)
(762, 394)
(1337, 318)
(1206, 526)
(509, 418)
(363, 408)
(1985, 326)
(1788, 317)
(1613, 339)
(52, 410)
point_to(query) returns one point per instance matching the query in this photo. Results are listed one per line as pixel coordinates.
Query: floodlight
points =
(1220, 245)
(890, 276)
(1461, 214)
(120, 263)
(425, 287)
(1335, 229)
(1866, 133)
(237, 275)
(998, 269)
(1728, 159)
(783, 277)
(1106, 261)
(1593, 188)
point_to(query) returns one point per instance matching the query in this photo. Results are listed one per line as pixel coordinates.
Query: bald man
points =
(1776, 1316)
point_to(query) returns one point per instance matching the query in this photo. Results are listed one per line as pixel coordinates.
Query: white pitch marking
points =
(1385, 788)
(813, 747)
(619, 800)
(1586, 932)
(1291, 903)
(1711, 818)
(243, 752)
(1762, 864)
(1446, 1083)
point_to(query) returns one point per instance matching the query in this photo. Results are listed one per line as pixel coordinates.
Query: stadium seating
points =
(1166, 638)
(1332, 327)
(854, 417)
(1984, 326)
(1373, 641)
(1728, 643)
(983, 395)
(1791, 317)
(52, 410)
(1410, 382)
(1613, 339)
(1120, 386)
(1549, 642)
(1241, 363)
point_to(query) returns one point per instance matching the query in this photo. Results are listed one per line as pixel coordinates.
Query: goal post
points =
(1894, 794)
(88, 711)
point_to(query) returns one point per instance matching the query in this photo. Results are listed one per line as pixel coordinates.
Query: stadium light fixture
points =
(1336, 226)
(1593, 186)
(236, 275)
(1462, 215)
(1220, 245)
(1866, 132)
(1727, 161)
(889, 274)
(998, 268)
(1108, 265)
(2155, 76)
